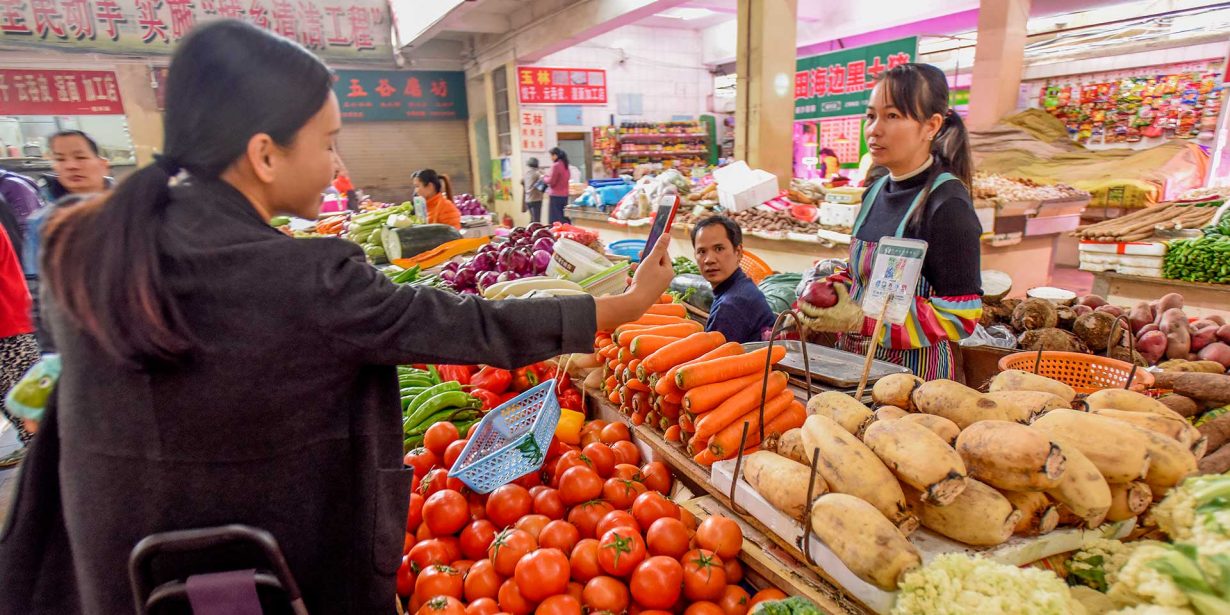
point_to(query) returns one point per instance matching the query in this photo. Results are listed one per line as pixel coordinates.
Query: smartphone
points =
(663, 220)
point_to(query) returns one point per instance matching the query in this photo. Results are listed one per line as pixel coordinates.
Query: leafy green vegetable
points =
(794, 605)
(683, 264)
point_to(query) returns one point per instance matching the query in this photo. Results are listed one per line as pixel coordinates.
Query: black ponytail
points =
(439, 181)
(102, 258)
(920, 92)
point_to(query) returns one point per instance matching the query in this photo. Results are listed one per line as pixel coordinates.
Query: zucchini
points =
(402, 243)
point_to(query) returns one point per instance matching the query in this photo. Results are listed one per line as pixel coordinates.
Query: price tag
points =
(894, 273)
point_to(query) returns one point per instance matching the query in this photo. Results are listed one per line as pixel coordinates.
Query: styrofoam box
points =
(986, 215)
(1143, 248)
(741, 187)
(1018, 551)
(1095, 258)
(837, 214)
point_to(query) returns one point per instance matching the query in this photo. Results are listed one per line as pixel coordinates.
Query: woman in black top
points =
(216, 371)
(912, 132)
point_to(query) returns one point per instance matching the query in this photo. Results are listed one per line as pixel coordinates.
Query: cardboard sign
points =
(894, 276)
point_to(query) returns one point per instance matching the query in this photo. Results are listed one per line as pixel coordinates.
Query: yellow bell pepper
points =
(568, 430)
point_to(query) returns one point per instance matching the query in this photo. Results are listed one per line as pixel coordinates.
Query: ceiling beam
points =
(477, 22)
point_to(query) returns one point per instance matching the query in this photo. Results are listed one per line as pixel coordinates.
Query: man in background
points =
(739, 311)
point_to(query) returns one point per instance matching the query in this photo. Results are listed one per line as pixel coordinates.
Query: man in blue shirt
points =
(740, 311)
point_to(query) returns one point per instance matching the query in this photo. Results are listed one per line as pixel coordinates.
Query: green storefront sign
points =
(401, 95)
(839, 84)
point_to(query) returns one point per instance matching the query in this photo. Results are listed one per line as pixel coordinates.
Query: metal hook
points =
(768, 360)
(1121, 322)
(805, 544)
(734, 480)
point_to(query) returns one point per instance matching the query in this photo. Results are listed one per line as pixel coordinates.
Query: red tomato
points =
(720, 535)
(511, 600)
(576, 590)
(453, 453)
(507, 504)
(601, 457)
(443, 605)
(471, 431)
(532, 524)
(482, 581)
(542, 574)
(422, 460)
(595, 425)
(587, 515)
(463, 566)
(704, 578)
(405, 578)
(548, 503)
(455, 484)
(423, 533)
(508, 548)
(605, 594)
(537, 489)
(668, 537)
(415, 515)
(529, 481)
(621, 492)
(439, 436)
(657, 477)
(614, 519)
(765, 595)
(475, 539)
(478, 506)
(446, 512)
(439, 581)
(590, 438)
(435, 482)
(688, 519)
(615, 432)
(657, 582)
(626, 452)
(571, 459)
(703, 608)
(620, 551)
(559, 605)
(428, 553)
(651, 506)
(452, 548)
(559, 535)
(482, 606)
(734, 570)
(578, 485)
(628, 471)
(734, 600)
(584, 561)
(408, 543)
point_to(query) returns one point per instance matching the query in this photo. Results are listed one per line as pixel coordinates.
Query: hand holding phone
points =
(663, 220)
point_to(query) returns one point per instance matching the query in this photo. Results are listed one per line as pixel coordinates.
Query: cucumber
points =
(410, 242)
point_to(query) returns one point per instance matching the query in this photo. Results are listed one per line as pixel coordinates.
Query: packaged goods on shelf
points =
(1001, 189)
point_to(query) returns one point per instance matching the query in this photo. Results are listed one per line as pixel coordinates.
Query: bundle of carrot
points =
(692, 385)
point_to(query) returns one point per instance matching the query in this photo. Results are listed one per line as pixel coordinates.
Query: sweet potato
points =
(1113, 310)
(1203, 336)
(1091, 301)
(1217, 351)
(781, 481)
(1140, 316)
(1178, 336)
(1223, 333)
(1168, 302)
(1203, 388)
(1152, 346)
(1181, 404)
(1217, 318)
(1217, 431)
(1147, 328)
(1216, 462)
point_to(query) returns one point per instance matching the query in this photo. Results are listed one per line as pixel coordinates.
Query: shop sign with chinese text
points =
(539, 85)
(336, 30)
(840, 83)
(59, 92)
(533, 130)
(400, 95)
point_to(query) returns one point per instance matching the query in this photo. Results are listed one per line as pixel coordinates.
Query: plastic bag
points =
(997, 336)
(820, 270)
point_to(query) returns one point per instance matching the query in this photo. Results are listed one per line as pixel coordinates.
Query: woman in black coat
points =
(216, 371)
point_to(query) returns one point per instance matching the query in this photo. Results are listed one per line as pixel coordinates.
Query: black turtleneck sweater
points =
(949, 226)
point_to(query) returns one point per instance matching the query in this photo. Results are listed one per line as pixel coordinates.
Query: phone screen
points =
(663, 219)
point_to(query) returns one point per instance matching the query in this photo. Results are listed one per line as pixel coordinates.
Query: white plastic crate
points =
(741, 187)
(838, 214)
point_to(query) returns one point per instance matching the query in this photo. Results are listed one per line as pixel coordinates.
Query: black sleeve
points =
(953, 264)
(375, 321)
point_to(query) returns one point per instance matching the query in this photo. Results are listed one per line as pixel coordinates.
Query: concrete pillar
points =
(141, 110)
(764, 115)
(999, 58)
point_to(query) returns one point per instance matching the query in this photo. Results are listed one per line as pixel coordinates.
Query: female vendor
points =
(439, 194)
(912, 132)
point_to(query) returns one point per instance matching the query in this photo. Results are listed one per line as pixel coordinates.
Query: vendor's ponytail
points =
(102, 259)
(448, 186)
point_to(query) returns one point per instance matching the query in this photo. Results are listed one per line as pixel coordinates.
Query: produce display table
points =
(1199, 299)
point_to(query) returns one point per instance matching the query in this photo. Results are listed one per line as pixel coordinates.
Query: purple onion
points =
(487, 279)
(534, 227)
(507, 276)
(545, 244)
(465, 278)
(542, 234)
(452, 266)
(541, 260)
(448, 276)
(484, 262)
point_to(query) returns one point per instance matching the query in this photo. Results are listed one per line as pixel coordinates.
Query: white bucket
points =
(573, 261)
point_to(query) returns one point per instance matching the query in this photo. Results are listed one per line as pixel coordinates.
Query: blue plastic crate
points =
(630, 248)
(511, 441)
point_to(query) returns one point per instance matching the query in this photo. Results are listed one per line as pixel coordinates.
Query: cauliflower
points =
(1152, 609)
(1172, 575)
(1098, 564)
(957, 584)
(1198, 512)
(1140, 583)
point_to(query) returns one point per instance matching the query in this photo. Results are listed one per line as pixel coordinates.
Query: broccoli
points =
(793, 605)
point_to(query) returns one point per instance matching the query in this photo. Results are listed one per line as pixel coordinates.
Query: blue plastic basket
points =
(630, 248)
(511, 441)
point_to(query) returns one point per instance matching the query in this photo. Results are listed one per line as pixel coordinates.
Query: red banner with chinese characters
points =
(59, 92)
(561, 86)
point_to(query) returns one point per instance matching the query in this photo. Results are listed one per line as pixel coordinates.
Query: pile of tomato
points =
(592, 532)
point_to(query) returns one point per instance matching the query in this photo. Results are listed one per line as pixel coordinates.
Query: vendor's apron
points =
(930, 362)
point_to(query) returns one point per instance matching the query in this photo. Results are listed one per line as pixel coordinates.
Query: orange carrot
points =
(659, 319)
(705, 458)
(682, 329)
(697, 444)
(611, 364)
(681, 351)
(645, 345)
(665, 298)
(673, 398)
(726, 368)
(611, 382)
(668, 309)
(601, 340)
(637, 385)
(610, 351)
(628, 327)
(672, 434)
(668, 410)
(729, 349)
(638, 418)
(703, 399)
(613, 396)
(624, 355)
(653, 419)
(725, 443)
(632, 365)
(686, 424)
(738, 405)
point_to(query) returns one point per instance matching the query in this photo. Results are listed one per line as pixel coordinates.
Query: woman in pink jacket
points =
(557, 186)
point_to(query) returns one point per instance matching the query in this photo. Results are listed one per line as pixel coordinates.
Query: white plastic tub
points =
(573, 261)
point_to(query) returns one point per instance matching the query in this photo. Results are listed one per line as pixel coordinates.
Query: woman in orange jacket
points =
(439, 194)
